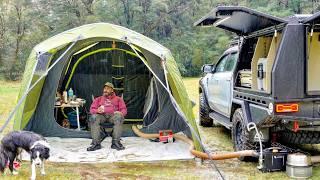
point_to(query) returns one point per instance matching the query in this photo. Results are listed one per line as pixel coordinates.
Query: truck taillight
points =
(284, 108)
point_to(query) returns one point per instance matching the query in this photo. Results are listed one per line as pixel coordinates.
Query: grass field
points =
(8, 96)
(217, 139)
(192, 87)
(147, 170)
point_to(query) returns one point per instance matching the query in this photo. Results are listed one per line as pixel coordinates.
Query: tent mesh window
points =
(90, 69)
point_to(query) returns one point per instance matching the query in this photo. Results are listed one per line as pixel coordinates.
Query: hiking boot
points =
(94, 147)
(116, 144)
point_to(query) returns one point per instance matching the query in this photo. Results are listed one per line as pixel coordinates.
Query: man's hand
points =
(118, 112)
(101, 110)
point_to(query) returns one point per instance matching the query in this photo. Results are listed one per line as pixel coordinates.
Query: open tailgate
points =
(239, 20)
(314, 19)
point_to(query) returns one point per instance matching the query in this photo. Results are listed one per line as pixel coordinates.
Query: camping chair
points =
(105, 126)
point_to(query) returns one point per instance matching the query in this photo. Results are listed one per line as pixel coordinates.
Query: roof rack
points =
(235, 41)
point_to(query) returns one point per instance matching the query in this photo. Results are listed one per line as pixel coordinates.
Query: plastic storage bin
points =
(72, 117)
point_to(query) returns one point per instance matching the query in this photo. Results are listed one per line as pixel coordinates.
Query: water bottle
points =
(65, 97)
(70, 94)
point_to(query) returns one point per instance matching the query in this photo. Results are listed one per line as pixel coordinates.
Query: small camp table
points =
(71, 106)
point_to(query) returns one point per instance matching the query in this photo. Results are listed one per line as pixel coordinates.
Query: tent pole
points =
(163, 63)
(178, 108)
(34, 84)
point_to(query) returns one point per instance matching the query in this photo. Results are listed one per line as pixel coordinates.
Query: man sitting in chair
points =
(107, 108)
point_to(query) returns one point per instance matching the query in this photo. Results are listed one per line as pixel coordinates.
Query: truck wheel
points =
(240, 135)
(204, 110)
(300, 137)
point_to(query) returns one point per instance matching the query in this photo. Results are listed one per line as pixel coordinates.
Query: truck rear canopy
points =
(239, 20)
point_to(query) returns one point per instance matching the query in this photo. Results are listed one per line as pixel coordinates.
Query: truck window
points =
(231, 62)
(222, 64)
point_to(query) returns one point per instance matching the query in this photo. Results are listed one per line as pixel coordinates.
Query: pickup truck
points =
(270, 77)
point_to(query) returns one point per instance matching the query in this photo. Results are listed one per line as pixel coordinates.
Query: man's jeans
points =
(117, 119)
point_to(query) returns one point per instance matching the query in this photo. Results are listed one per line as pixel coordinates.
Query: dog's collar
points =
(42, 142)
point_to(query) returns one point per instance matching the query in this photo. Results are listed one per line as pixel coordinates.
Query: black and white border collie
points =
(12, 145)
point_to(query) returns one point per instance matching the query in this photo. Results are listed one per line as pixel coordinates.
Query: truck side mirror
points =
(208, 68)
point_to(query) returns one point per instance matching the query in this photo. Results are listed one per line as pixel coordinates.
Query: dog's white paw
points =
(43, 173)
(32, 178)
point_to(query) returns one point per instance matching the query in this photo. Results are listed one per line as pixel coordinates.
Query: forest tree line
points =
(25, 23)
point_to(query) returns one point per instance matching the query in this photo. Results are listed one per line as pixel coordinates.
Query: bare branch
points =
(179, 8)
(88, 5)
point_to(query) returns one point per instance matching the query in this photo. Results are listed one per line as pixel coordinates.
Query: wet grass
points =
(217, 139)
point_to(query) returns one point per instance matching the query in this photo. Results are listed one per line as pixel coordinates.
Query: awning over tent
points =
(240, 20)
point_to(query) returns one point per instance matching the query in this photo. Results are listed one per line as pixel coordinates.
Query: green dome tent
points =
(84, 58)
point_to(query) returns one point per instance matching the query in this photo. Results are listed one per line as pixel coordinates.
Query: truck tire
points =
(240, 135)
(300, 137)
(204, 110)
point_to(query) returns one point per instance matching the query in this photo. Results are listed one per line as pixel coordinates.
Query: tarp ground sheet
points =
(137, 149)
